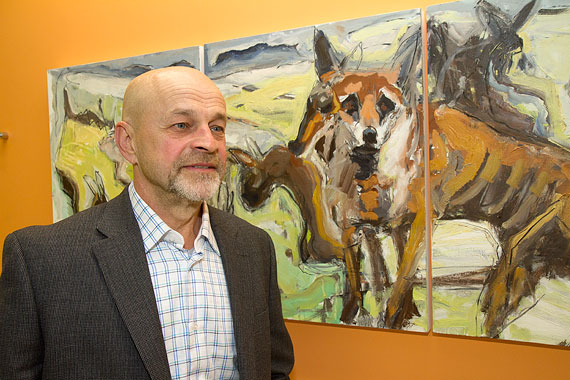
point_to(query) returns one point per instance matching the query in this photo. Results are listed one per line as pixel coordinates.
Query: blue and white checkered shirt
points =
(191, 295)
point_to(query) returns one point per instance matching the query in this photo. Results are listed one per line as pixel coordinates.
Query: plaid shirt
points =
(191, 295)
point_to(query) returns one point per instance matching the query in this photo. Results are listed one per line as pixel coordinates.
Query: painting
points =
(85, 102)
(499, 113)
(325, 141)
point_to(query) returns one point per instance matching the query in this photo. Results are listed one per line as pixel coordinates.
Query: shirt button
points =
(195, 326)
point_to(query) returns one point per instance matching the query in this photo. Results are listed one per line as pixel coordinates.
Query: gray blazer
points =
(76, 300)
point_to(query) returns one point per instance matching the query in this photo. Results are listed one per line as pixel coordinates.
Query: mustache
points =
(194, 157)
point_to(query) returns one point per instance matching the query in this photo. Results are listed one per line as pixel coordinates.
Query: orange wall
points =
(39, 35)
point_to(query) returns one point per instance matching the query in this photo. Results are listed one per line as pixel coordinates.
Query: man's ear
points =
(124, 134)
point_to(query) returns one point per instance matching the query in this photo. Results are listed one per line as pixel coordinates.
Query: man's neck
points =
(182, 215)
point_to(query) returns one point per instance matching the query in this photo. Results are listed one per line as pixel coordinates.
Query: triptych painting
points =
(412, 174)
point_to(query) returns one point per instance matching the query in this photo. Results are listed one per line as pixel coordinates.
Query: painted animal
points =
(464, 66)
(348, 172)
(521, 187)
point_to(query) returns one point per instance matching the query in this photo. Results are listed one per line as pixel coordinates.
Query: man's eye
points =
(180, 125)
(217, 129)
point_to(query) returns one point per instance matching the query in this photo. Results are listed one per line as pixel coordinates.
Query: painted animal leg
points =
(397, 312)
(512, 281)
(352, 299)
(373, 252)
(399, 234)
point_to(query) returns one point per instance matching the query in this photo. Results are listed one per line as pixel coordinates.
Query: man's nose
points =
(203, 139)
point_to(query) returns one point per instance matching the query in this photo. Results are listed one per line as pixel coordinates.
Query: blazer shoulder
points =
(227, 220)
(67, 227)
(81, 229)
(80, 225)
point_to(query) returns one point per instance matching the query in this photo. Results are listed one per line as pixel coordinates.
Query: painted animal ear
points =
(500, 22)
(352, 56)
(96, 186)
(326, 59)
(241, 157)
(492, 17)
(524, 15)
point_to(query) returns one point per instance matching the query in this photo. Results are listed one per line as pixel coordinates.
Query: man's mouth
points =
(202, 166)
(199, 163)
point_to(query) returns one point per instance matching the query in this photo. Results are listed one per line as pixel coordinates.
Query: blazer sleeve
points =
(282, 357)
(21, 347)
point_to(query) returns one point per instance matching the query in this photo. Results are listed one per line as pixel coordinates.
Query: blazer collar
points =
(123, 262)
(224, 232)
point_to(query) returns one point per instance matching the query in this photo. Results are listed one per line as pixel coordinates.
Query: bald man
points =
(154, 284)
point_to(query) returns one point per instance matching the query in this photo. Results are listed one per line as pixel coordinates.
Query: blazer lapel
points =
(122, 260)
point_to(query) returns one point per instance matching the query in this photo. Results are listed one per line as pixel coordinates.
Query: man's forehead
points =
(218, 112)
(181, 98)
(179, 101)
(189, 77)
(185, 85)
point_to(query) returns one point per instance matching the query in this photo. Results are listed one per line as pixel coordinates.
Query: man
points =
(154, 283)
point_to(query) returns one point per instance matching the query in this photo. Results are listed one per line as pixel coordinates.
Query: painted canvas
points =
(499, 108)
(85, 103)
(326, 147)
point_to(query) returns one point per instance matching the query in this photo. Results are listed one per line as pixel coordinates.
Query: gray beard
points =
(199, 186)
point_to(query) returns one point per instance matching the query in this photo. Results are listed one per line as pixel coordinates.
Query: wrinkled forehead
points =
(168, 85)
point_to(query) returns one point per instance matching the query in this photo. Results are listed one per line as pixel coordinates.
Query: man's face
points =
(180, 138)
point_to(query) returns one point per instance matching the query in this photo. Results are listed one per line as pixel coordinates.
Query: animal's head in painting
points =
(359, 142)
(258, 178)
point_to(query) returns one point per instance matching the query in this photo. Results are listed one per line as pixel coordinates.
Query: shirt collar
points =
(154, 229)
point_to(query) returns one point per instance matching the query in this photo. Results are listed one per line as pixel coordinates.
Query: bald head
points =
(145, 93)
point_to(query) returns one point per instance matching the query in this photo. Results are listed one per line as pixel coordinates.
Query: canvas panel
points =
(85, 102)
(325, 145)
(500, 169)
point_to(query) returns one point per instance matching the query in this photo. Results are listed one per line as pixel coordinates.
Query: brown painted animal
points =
(486, 162)
(520, 186)
(347, 171)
